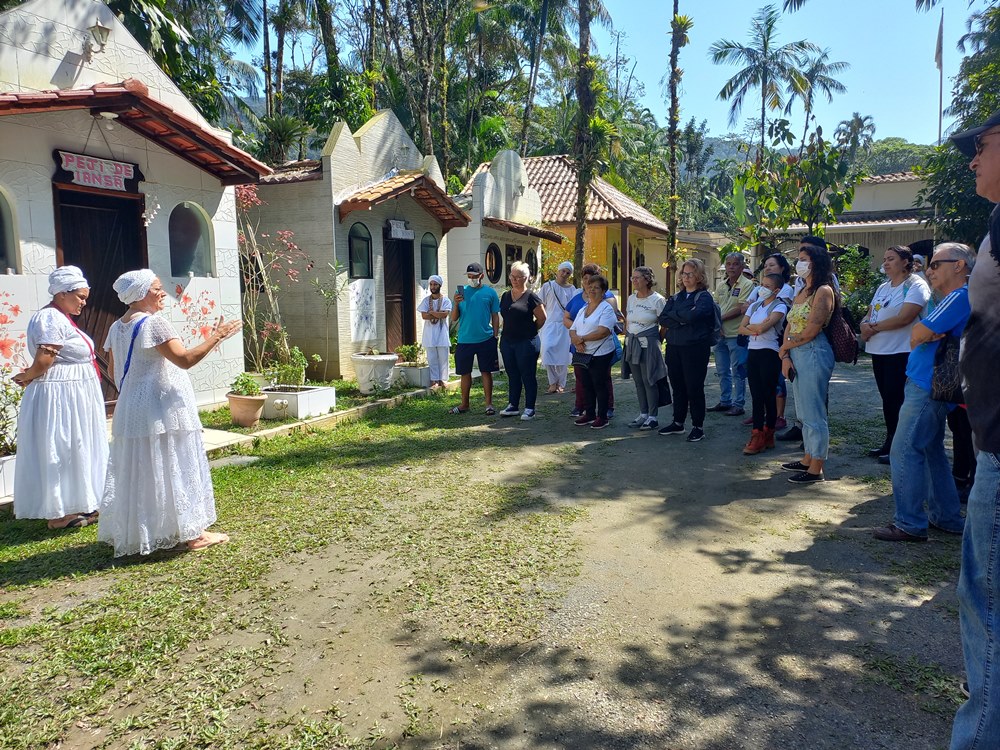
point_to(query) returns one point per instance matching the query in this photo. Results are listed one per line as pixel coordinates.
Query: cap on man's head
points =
(966, 140)
(917, 258)
(474, 268)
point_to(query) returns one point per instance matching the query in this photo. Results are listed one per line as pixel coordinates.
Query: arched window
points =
(8, 250)
(614, 265)
(359, 248)
(428, 256)
(494, 263)
(640, 260)
(190, 240)
(532, 260)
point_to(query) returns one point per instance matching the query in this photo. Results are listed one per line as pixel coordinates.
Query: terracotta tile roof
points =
(875, 218)
(881, 179)
(554, 177)
(525, 229)
(150, 118)
(295, 171)
(421, 188)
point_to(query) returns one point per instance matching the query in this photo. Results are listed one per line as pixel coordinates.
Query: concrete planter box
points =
(299, 402)
(372, 369)
(416, 375)
(7, 475)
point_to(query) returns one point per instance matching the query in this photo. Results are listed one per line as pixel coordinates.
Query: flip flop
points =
(77, 523)
(490, 411)
(457, 410)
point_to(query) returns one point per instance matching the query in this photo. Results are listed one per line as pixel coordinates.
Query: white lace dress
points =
(62, 435)
(555, 335)
(159, 489)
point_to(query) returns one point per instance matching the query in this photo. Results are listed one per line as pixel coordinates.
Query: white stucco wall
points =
(887, 196)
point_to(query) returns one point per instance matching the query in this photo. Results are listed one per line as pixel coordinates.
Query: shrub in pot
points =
(246, 401)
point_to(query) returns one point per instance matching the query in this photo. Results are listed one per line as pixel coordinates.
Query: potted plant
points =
(373, 370)
(414, 365)
(246, 401)
(10, 400)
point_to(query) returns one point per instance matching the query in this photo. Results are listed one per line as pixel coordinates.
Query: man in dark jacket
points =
(977, 723)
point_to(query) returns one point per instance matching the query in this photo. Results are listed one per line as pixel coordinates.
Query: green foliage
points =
(961, 213)
(10, 402)
(858, 282)
(412, 354)
(245, 385)
(291, 370)
(888, 155)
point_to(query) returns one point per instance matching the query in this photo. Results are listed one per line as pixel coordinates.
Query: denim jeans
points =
(813, 363)
(920, 470)
(520, 357)
(977, 723)
(731, 370)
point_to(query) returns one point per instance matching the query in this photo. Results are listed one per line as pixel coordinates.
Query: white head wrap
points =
(567, 265)
(436, 279)
(134, 285)
(67, 279)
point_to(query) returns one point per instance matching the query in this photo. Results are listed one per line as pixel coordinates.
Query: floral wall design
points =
(12, 343)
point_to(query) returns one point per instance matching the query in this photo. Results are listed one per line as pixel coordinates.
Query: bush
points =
(245, 385)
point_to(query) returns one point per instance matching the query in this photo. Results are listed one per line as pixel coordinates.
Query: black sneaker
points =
(797, 466)
(671, 429)
(806, 478)
(720, 407)
(792, 433)
(695, 435)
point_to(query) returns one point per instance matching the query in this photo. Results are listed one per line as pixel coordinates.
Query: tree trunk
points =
(676, 38)
(443, 52)
(279, 54)
(370, 58)
(268, 89)
(583, 147)
(536, 59)
(324, 17)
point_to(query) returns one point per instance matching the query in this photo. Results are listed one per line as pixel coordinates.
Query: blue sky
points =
(889, 45)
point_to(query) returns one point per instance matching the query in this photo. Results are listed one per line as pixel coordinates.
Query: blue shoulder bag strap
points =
(128, 358)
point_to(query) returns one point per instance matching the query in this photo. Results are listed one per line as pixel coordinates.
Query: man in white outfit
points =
(556, 356)
(435, 309)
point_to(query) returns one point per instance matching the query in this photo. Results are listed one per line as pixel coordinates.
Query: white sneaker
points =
(510, 411)
(639, 421)
(650, 424)
(528, 415)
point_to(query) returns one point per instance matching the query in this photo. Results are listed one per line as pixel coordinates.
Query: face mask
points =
(764, 293)
(476, 283)
(802, 267)
(881, 270)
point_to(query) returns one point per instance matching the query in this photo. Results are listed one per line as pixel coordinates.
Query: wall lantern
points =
(97, 40)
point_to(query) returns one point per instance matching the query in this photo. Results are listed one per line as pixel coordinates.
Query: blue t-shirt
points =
(475, 314)
(949, 317)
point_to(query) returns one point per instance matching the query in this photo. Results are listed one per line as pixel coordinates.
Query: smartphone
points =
(459, 291)
(791, 375)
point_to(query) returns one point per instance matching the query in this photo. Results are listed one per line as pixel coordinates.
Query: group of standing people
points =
(152, 488)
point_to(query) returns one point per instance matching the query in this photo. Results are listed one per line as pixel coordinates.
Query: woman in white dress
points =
(556, 355)
(62, 438)
(159, 489)
(435, 309)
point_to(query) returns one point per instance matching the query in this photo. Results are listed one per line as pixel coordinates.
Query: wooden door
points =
(400, 305)
(104, 236)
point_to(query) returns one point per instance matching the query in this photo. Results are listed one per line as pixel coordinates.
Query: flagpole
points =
(940, 62)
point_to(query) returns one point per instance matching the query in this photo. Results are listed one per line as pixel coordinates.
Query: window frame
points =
(424, 275)
(351, 238)
(498, 263)
(8, 233)
(207, 239)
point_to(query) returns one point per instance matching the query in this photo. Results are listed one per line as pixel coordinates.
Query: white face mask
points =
(803, 267)
(764, 293)
(476, 282)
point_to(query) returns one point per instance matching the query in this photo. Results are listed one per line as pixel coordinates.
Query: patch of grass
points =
(938, 689)
(222, 419)
(11, 611)
(929, 569)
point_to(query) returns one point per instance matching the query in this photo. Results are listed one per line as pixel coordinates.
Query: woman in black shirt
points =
(523, 315)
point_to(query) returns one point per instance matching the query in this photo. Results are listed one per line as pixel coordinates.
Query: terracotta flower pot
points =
(246, 410)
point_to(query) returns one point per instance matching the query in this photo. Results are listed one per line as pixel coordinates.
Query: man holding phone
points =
(477, 310)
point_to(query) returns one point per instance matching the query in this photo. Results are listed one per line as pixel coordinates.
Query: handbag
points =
(946, 379)
(582, 359)
(841, 336)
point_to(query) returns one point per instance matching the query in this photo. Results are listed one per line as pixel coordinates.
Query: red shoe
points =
(780, 424)
(755, 445)
(768, 437)
(599, 424)
(747, 422)
(583, 421)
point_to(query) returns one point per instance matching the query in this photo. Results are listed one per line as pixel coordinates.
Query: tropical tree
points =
(794, 5)
(856, 135)
(818, 73)
(583, 148)
(680, 26)
(771, 68)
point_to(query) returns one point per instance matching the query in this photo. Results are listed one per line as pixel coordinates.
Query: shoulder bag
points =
(946, 379)
(842, 338)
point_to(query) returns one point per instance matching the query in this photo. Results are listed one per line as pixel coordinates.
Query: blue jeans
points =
(813, 363)
(920, 469)
(977, 723)
(731, 370)
(520, 357)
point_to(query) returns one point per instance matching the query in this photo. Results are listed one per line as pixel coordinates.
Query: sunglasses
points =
(937, 263)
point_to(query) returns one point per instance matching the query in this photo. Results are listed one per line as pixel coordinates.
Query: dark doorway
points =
(400, 305)
(104, 236)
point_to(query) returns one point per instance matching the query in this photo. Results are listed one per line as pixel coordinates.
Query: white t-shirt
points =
(604, 315)
(887, 303)
(643, 313)
(759, 312)
(435, 331)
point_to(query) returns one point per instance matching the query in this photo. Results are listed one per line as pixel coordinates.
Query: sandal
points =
(457, 410)
(76, 523)
(490, 411)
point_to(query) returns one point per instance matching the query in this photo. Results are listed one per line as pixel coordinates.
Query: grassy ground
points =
(177, 650)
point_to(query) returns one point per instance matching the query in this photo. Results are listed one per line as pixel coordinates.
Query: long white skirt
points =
(555, 342)
(62, 444)
(158, 493)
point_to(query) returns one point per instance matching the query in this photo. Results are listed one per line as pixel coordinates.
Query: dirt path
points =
(717, 605)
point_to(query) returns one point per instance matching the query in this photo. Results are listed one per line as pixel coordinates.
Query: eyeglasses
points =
(687, 273)
(934, 265)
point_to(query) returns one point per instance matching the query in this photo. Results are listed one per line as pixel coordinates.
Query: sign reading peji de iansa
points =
(90, 171)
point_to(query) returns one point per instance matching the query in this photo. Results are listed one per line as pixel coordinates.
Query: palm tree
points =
(767, 66)
(857, 134)
(680, 26)
(818, 74)
(794, 5)
(583, 150)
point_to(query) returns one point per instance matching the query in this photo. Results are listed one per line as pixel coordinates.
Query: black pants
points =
(596, 380)
(687, 367)
(963, 464)
(890, 377)
(763, 369)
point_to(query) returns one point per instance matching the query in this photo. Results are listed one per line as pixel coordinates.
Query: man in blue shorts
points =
(477, 310)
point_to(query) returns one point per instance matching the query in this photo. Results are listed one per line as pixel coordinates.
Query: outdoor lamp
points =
(98, 37)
